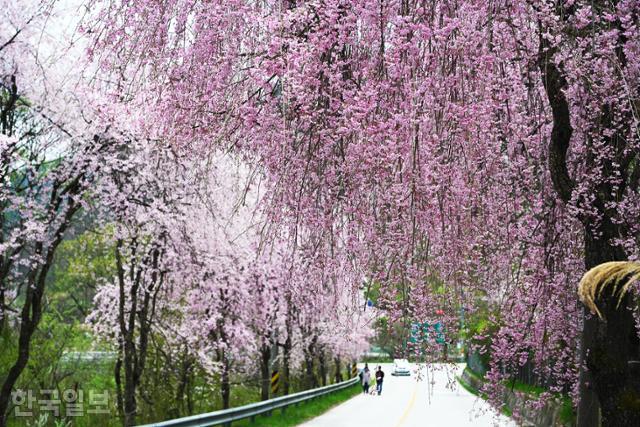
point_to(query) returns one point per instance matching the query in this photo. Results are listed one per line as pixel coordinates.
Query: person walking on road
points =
(366, 366)
(379, 378)
(366, 379)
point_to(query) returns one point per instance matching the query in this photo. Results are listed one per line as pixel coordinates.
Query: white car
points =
(401, 368)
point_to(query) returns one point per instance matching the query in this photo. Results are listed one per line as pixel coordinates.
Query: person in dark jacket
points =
(379, 378)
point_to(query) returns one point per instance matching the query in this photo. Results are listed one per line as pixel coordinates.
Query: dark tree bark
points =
(338, 364)
(310, 378)
(309, 362)
(554, 82)
(608, 347)
(322, 362)
(265, 377)
(57, 188)
(607, 390)
(7, 109)
(61, 195)
(118, 378)
(287, 348)
(219, 333)
(286, 366)
(137, 322)
(225, 381)
(186, 368)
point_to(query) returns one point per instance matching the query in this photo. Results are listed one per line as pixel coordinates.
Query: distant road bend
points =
(406, 402)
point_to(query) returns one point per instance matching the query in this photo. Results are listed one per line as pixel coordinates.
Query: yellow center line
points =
(407, 410)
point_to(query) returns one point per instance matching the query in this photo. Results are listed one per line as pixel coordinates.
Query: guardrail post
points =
(275, 382)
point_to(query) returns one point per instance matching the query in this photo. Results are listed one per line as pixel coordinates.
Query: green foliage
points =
(377, 359)
(474, 374)
(173, 384)
(390, 336)
(372, 291)
(80, 264)
(533, 390)
(567, 415)
(479, 328)
(469, 387)
(49, 370)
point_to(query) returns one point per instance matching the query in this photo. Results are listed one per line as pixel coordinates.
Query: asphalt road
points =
(429, 397)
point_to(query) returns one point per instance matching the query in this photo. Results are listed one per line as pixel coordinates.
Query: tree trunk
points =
(138, 319)
(588, 406)
(118, 377)
(310, 378)
(286, 366)
(265, 378)
(611, 343)
(183, 383)
(3, 309)
(606, 388)
(338, 364)
(130, 404)
(323, 368)
(31, 313)
(309, 362)
(26, 331)
(127, 328)
(225, 384)
(311, 381)
(287, 348)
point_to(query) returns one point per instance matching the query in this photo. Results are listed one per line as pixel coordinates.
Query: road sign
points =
(420, 332)
(275, 382)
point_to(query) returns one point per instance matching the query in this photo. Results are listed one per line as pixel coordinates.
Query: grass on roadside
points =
(468, 387)
(294, 415)
(505, 409)
(567, 415)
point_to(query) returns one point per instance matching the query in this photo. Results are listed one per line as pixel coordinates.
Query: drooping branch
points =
(554, 84)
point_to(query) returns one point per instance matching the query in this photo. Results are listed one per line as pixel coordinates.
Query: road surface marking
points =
(409, 406)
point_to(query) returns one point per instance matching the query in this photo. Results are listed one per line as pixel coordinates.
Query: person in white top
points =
(366, 379)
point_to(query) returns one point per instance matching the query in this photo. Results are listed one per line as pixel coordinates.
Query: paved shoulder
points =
(433, 400)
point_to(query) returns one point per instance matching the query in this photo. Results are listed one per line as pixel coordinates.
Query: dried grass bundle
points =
(619, 275)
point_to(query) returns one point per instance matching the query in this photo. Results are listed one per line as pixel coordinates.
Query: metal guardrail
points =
(88, 356)
(226, 416)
